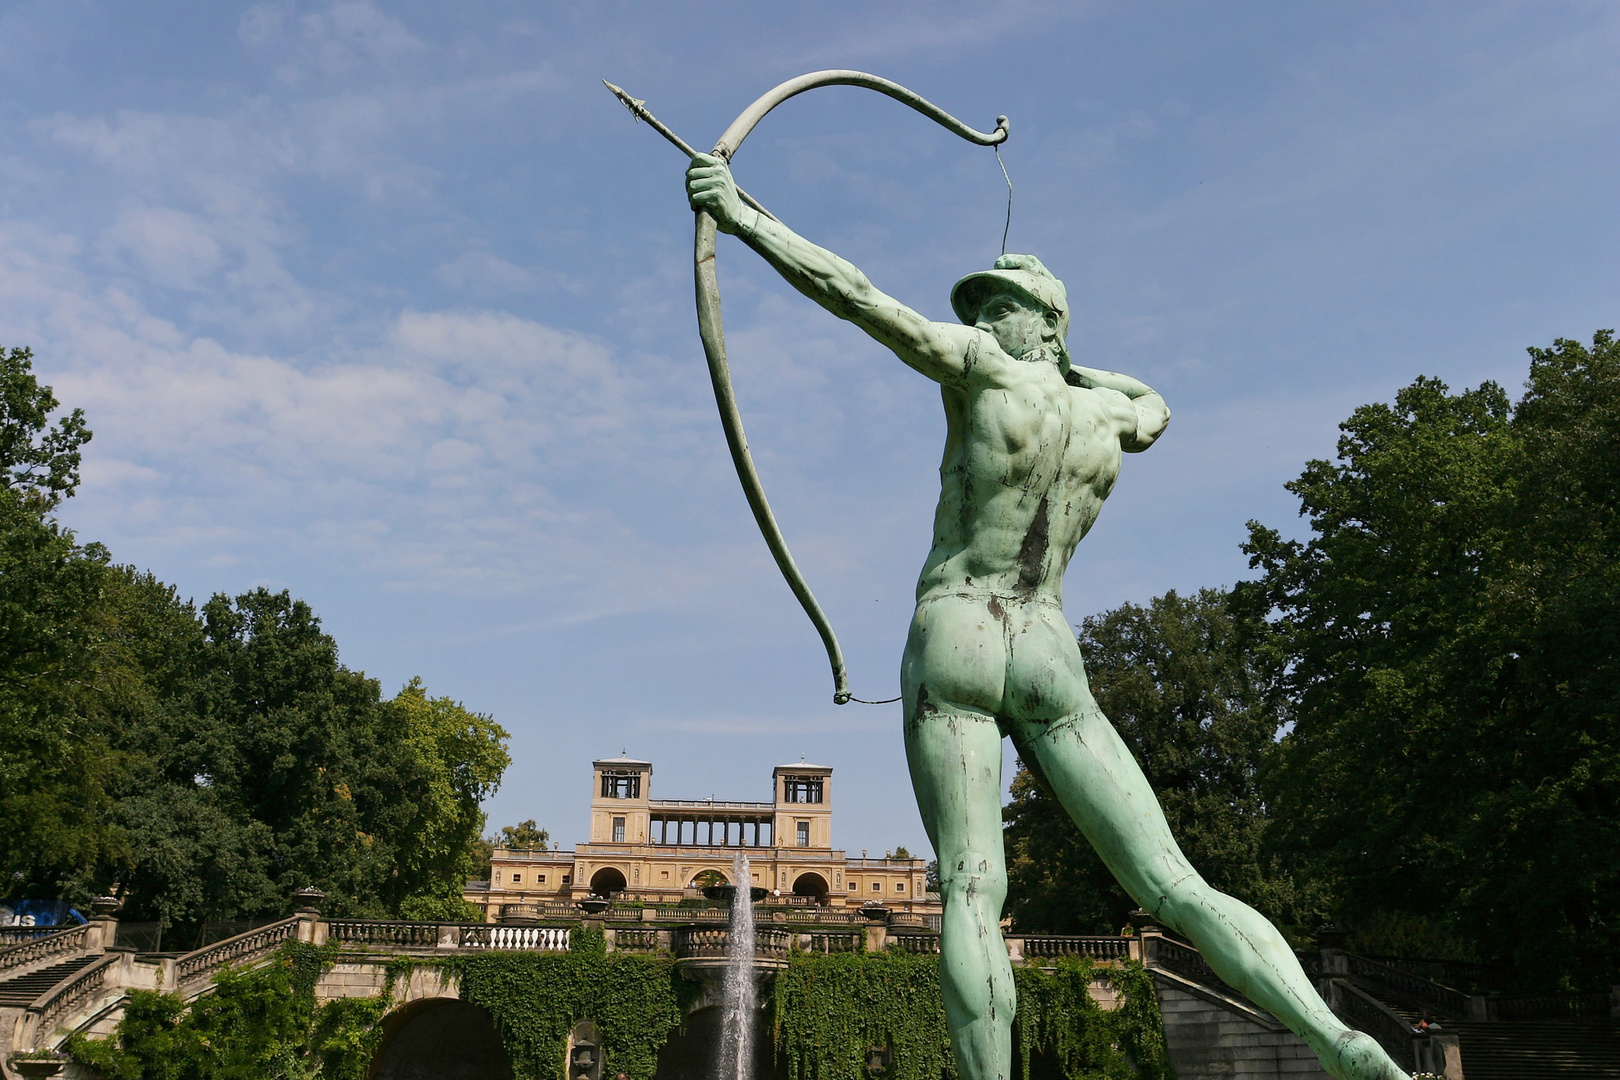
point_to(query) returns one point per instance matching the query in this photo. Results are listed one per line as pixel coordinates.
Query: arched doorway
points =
(440, 1039)
(607, 881)
(811, 885)
(703, 879)
(693, 1049)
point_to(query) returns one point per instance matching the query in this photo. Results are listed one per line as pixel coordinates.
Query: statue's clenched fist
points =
(709, 186)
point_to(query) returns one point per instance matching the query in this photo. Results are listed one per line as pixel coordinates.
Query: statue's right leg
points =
(952, 673)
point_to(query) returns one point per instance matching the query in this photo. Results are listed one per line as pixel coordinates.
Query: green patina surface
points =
(1033, 447)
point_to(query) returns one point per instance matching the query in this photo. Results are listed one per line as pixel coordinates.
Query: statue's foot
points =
(1359, 1057)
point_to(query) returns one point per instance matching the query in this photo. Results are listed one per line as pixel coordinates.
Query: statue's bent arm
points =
(1139, 412)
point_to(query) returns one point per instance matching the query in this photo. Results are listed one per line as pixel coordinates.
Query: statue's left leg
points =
(1101, 786)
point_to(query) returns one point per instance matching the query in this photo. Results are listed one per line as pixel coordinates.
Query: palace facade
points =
(657, 850)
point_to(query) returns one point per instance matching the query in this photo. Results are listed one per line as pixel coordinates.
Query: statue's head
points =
(1043, 303)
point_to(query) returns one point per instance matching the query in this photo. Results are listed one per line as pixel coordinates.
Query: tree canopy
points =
(203, 763)
(1452, 630)
(39, 460)
(1409, 724)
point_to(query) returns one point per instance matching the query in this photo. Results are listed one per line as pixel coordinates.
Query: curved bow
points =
(714, 337)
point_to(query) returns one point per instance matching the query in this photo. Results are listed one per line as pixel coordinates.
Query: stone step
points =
(23, 989)
(1547, 1050)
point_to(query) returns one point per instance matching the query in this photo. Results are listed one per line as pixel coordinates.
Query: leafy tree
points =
(55, 764)
(204, 763)
(465, 755)
(524, 836)
(901, 852)
(262, 1024)
(1452, 637)
(39, 461)
(1190, 691)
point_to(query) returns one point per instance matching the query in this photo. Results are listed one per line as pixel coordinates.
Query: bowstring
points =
(1008, 226)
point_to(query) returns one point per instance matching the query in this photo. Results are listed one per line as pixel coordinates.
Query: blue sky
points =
(390, 305)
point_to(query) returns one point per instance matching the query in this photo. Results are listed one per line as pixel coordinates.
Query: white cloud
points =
(342, 38)
(433, 457)
(483, 274)
(171, 246)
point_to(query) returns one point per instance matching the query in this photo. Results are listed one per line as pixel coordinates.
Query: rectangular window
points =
(517, 878)
(567, 878)
(877, 886)
(801, 789)
(542, 879)
(620, 784)
(804, 834)
(899, 886)
(618, 830)
(854, 885)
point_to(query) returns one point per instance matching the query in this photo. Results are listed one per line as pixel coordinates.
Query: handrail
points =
(1366, 1013)
(1593, 1004)
(12, 935)
(697, 943)
(834, 941)
(626, 939)
(201, 963)
(514, 938)
(418, 935)
(1456, 973)
(1424, 991)
(62, 999)
(1098, 947)
(44, 947)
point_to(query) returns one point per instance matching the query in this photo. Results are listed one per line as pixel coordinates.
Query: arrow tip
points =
(633, 104)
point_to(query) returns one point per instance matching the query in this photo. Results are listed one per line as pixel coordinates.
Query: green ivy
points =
(259, 1024)
(1058, 1018)
(830, 1009)
(535, 999)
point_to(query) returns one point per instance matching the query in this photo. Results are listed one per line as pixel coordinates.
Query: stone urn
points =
(105, 907)
(308, 900)
(875, 913)
(1142, 921)
(39, 1066)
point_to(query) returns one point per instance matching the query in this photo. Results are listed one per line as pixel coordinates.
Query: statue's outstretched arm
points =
(938, 350)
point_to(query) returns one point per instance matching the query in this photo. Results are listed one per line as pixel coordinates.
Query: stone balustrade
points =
(526, 938)
(46, 946)
(201, 965)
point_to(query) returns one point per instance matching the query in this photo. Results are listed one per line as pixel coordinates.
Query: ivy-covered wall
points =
(829, 1010)
(826, 1012)
(535, 999)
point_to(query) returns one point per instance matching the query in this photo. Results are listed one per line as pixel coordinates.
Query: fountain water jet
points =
(740, 991)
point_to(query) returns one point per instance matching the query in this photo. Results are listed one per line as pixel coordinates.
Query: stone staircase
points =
(21, 990)
(1545, 1049)
(1539, 1050)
